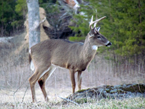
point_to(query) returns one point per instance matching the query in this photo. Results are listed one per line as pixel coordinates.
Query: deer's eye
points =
(98, 37)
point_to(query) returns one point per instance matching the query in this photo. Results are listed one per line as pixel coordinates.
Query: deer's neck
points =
(88, 50)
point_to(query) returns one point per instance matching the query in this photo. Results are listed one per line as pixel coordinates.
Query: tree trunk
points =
(33, 19)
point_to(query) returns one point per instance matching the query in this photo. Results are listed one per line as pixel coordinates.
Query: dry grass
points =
(15, 74)
(14, 71)
(128, 103)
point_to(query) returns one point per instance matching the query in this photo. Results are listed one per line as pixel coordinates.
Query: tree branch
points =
(69, 100)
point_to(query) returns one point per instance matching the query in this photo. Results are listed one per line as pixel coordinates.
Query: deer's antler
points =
(95, 22)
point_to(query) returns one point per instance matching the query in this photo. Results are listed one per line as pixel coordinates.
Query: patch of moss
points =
(108, 90)
(135, 88)
(82, 90)
(81, 101)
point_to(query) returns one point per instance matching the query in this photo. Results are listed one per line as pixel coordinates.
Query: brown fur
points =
(72, 55)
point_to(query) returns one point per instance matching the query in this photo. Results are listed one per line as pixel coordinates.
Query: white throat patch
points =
(94, 47)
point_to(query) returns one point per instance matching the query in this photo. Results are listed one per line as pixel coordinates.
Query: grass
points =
(128, 103)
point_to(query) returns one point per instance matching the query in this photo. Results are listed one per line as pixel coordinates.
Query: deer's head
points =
(95, 37)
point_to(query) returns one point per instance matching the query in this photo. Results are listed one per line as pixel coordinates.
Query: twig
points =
(19, 88)
(38, 24)
(63, 16)
(25, 93)
(69, 100)
(21, 85)
(42, 21)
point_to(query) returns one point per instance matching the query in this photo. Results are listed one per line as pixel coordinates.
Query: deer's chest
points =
(77, 66)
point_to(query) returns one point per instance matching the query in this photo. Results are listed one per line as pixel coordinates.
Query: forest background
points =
(124, 25)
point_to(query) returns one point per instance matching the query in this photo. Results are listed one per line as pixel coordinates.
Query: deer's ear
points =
(98, 28)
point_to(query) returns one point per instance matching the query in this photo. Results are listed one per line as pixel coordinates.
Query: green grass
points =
(128, 103)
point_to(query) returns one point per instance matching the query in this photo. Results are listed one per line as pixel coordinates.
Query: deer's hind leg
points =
(32, 81)
(39, 70)
(43, 79)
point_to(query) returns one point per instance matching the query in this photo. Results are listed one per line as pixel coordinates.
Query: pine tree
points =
(124, 25)
(9, 19)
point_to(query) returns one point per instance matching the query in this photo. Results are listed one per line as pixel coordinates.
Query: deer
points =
(48, 55)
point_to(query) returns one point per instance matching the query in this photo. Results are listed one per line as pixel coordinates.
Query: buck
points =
(48, 55)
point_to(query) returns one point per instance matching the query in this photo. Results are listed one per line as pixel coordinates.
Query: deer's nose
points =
(108, 44)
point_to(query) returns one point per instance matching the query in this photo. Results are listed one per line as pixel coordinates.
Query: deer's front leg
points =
(72, 76)
(79, 80)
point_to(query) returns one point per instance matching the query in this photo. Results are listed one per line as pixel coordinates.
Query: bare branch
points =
(69, 100)
(25, 93)
(37, 25)
(42, 21)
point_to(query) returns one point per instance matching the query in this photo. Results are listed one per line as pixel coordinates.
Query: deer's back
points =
(56, 51)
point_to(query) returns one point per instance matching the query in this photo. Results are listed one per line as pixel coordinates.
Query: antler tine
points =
(95, 22)
(99, 19)
(91, 22)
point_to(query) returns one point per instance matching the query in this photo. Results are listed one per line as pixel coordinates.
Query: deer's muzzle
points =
(108, 44)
